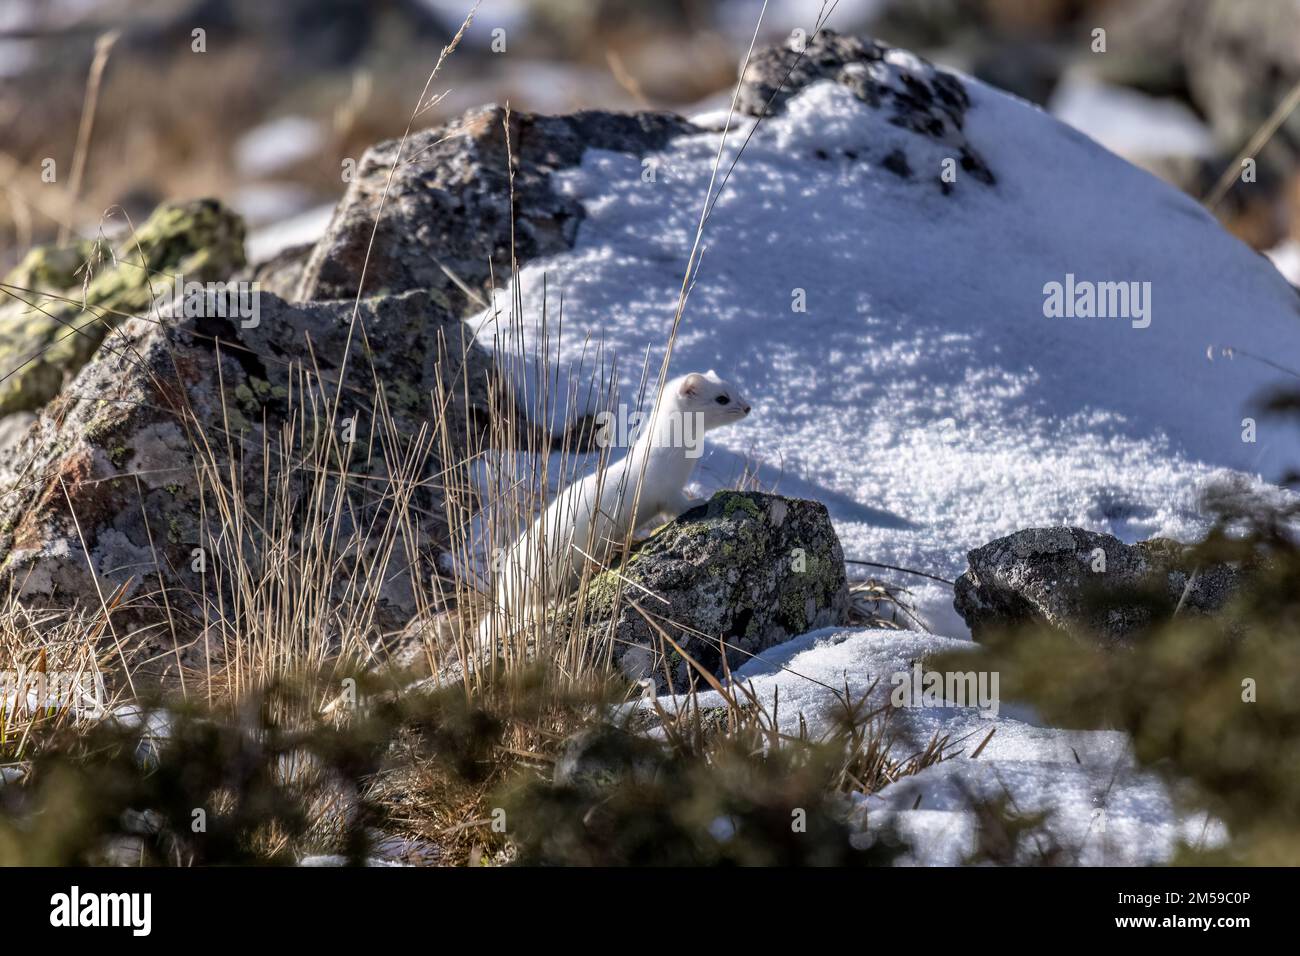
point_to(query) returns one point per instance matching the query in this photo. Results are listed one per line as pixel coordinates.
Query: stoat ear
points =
(712, 375)
(691, 385)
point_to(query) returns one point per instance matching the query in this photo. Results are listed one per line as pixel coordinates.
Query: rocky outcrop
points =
(60, 302)
(1083, 580)
(739, 574)
(446, 222)
(101, 495)
(98, 495)
(104, 496)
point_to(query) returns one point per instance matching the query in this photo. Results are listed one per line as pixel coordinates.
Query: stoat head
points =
(704, 394)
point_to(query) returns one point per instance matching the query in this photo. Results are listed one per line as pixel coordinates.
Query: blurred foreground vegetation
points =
(1211, 702)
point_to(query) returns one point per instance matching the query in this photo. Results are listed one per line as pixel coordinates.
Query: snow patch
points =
(1100, 808)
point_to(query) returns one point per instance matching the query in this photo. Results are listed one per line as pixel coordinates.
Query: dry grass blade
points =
(1257, 142)
(103, 47)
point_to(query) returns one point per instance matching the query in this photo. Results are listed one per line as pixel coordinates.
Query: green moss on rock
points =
(733, 501)
(51, 268)
(43, 343)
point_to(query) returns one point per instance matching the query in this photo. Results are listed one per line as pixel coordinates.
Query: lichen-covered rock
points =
(61, 302)
(447, 212)
(51, 268)
(742, 573)
(103, 493)
(1084, 581)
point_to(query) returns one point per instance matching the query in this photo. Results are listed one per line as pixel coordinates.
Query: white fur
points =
(592, 517)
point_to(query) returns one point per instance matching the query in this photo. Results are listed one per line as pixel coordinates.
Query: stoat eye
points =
(723, 400)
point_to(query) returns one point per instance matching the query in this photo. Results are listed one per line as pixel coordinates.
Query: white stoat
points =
(593, 516)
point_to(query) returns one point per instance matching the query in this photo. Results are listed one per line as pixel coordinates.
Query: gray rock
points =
(1083, 580)
(748, 570)
(90, 287)
(102, 492)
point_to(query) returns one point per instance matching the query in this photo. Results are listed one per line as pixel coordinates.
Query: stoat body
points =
(592, 517)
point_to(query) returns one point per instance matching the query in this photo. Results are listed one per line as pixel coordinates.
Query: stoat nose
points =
(746, 409)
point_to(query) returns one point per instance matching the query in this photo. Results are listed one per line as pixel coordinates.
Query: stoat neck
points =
(669, 432)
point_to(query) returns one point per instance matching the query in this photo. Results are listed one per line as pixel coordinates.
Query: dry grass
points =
(49, 662)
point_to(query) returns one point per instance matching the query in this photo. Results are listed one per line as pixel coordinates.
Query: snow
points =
(265, 203)
(923, 395)
(334, 859)
(1130, 123)
(794, 679)
(277, 145)
(1286, 256)
(270, 240)
(388, 850)
(1102, 810)
(1095, 816)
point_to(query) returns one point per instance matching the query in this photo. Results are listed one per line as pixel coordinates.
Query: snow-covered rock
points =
(919, 351)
